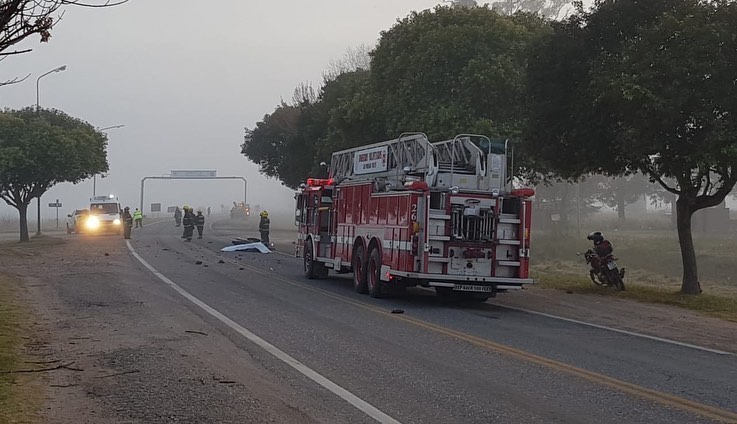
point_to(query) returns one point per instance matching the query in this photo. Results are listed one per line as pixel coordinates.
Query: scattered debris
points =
(195, 332)
(569, 291)
(43, 362)
(166, 248)
(221, 261)
(271, 269)
(397, 311)
(58, 367)
(241, 269)
(226, 382)
(62, 385)
(107, 254)
(206, 265)
(119, 373)
(198, 263)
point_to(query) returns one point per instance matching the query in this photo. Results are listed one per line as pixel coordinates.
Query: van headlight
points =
(92, 223)
(116, 221)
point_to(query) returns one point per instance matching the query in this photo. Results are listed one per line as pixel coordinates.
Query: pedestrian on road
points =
(178, 216)
(138, 218)
(263, 227)
(188, 222)
(127, 222)
(208, 211)
(199, 221)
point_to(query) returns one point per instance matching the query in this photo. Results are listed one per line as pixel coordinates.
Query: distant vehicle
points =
(240, 211)
(104, 215)
(76, 219)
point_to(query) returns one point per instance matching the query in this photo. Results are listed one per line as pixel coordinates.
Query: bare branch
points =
(20, 19)
(15, 80)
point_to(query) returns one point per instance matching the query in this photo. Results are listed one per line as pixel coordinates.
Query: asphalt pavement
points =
(415, 359)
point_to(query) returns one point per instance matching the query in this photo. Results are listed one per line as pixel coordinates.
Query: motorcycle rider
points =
(263, 227)
(199, 221)
(602, 246)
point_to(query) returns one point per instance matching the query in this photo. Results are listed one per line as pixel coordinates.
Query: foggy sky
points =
(185, 79)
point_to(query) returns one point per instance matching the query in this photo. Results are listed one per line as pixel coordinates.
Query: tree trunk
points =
(673, 211)
(23, 215)
(690, 283)
(620, 206)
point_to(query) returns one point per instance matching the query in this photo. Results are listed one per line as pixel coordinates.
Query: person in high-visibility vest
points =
(138, 218)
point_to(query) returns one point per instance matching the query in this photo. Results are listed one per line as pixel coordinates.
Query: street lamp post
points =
(94, 177)
(38, 110)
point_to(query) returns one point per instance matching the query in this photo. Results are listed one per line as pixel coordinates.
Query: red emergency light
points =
(318, 182)
(523, 192)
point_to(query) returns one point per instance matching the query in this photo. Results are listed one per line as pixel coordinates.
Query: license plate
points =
(611, 265)
(472, 288)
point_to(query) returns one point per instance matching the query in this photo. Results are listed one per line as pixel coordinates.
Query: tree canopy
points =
(444, 71)
(39, 149)
(642, 86)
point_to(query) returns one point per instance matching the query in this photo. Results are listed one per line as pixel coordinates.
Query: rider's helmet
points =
(597, 237)
(264, 214)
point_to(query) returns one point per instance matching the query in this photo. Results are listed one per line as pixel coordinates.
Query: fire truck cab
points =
(409, 212)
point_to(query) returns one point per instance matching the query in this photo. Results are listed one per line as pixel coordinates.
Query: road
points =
(282, 348)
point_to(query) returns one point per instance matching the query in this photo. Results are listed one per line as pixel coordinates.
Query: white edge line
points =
(616, 330)
(344, 394)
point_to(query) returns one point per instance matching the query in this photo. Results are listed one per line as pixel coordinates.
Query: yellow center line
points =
(662, 398)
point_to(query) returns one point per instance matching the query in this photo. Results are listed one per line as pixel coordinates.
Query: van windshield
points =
(104, 208)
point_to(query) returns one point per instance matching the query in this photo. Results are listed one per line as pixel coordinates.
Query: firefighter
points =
(138, 218)
(263, 227)
(178, 216)
(127, 222)
(199, 221)
(188, 222)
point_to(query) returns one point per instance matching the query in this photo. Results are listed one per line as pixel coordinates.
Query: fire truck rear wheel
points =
(373, 274)
(358, 262)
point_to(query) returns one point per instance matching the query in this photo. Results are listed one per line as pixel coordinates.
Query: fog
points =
(184, 80)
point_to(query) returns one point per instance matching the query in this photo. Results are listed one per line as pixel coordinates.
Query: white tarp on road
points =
(248, 247)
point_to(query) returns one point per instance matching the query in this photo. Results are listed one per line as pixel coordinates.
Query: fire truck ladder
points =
(410, 154)
(472, 154)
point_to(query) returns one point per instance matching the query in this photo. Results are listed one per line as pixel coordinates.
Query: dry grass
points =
(19, 394)
(653, 262)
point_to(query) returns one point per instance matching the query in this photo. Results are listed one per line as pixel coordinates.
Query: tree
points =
(452, 70)
(643, 86)
(39, 149)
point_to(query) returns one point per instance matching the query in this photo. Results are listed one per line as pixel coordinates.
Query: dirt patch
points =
(20, 384)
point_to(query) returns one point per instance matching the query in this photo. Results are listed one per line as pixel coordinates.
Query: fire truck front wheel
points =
(358, 262)
(373, 274)
(312, 269)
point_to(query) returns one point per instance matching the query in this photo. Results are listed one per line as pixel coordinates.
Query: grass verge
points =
(717, 305)
(19, 398)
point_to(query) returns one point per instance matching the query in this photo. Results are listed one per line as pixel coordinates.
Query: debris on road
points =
(247, 247)
(198, 263)
(196, 332)
(397, 311)
(221, 261)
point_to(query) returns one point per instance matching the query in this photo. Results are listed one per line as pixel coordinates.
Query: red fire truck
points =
(409, 212)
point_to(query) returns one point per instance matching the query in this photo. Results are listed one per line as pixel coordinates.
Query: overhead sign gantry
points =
(192, 175)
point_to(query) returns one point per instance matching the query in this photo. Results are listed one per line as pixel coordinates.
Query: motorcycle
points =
(604, 270)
